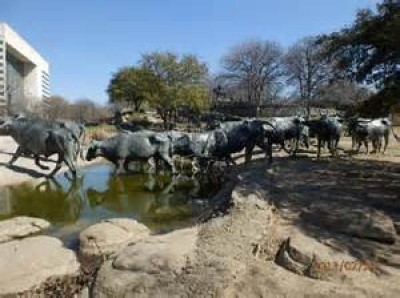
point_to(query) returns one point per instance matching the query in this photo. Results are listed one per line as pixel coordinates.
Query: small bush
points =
(99, 133)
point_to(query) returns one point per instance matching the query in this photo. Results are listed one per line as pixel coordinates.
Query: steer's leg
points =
(37, 162)
(268, 152)
(152, 165)
(296, 147)
(16, 155)
(210, 166)
(248, 152)
(319, 148)
(126, 165)
(58, 166)
(386, 137)
(331, 147)
(169, 161)
(119, 166)
(70, 164)
(195, 166)
(373, 146)
(358, 145)
(284, 148)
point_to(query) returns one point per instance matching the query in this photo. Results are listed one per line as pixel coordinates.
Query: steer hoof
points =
(45, 168)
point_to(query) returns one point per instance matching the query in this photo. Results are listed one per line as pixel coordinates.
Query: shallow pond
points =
(161, 202)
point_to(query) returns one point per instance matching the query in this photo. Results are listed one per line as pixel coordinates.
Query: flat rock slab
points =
(355, 220)
(137, 265)
(27, 264)
(108, 236)
(21, 227)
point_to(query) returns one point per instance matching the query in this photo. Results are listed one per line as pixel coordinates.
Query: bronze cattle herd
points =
(41, 138)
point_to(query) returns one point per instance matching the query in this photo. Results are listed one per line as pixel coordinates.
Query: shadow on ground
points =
(307, 191)
(22, 170)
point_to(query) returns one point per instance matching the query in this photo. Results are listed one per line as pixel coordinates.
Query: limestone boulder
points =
(136, 266)
(21, 227)
(28, 265)
(102, 239)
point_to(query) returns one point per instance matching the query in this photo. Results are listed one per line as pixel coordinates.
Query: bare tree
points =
(83, 109)
(55, 107)
(86, 109)
(251, 67)
(306, 70)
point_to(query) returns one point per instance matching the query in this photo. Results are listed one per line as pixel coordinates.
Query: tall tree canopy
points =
(252, 67)
(369, 52)
(133, 86)
(183, 82)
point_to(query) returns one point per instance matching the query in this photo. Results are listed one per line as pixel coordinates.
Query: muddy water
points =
(161, 202)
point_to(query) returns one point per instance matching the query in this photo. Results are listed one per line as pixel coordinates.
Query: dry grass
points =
(99, 133)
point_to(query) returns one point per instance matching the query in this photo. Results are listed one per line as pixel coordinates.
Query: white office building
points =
(24, 74)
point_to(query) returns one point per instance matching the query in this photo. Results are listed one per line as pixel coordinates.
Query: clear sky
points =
(85, 41)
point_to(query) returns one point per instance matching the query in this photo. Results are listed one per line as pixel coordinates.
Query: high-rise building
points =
(24, 74)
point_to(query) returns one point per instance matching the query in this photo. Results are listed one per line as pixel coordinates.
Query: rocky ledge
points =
(100, 240)
(20, 227)
(33, 265)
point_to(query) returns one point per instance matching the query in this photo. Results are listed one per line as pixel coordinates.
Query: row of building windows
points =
(45, 80)
(2, 50)
(2, 90)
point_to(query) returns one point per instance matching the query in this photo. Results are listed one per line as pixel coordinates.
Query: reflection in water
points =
(160, 202)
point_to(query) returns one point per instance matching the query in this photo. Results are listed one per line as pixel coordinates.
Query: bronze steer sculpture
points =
(132, 146)
(39, 138)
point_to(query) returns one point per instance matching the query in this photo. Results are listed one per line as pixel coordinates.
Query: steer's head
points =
(6, 127)
(93, 151)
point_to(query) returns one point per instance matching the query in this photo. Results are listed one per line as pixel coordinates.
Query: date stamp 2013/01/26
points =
(358, 266)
